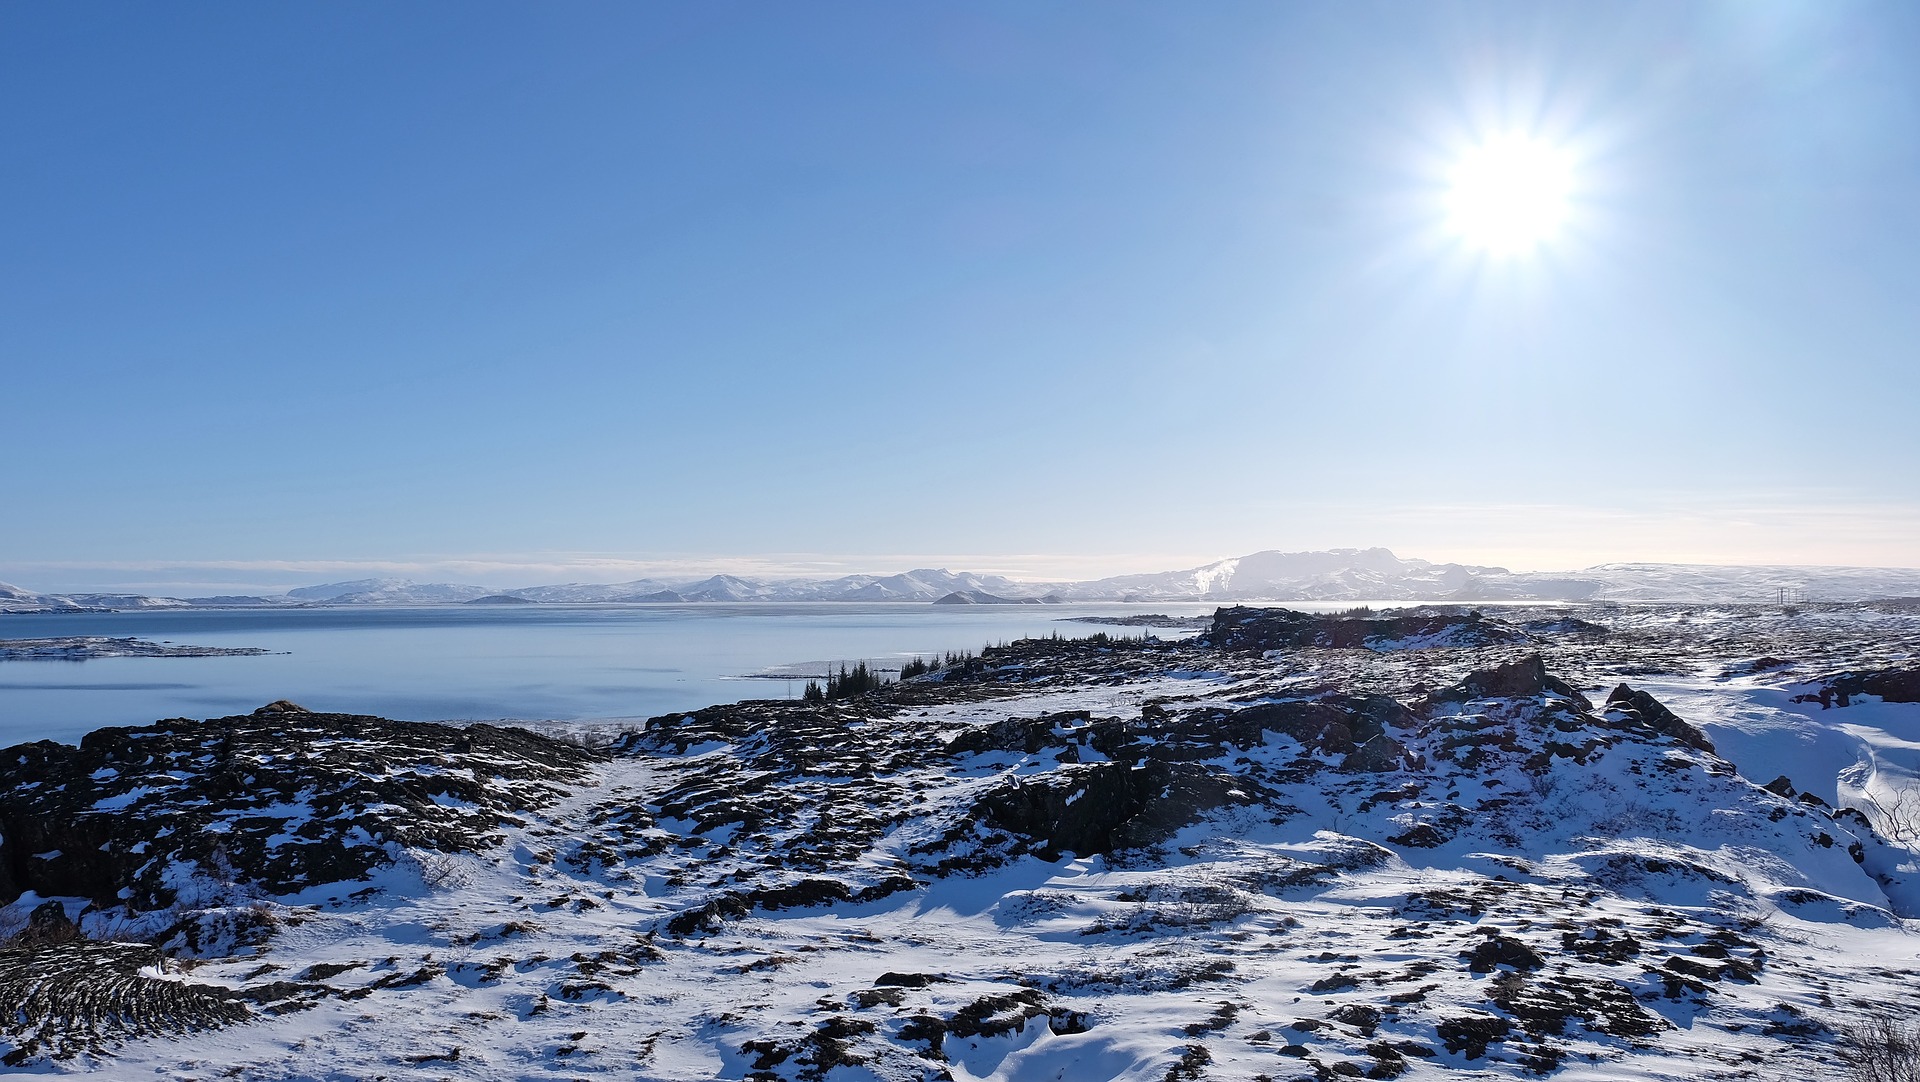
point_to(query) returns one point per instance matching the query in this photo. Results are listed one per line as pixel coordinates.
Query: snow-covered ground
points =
(1422, 863)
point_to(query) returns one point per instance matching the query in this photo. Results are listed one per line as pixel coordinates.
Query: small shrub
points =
(440, 870)
(1895, 815)
(1882, 1050)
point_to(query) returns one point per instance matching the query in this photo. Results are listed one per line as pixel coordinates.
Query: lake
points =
(560, 663)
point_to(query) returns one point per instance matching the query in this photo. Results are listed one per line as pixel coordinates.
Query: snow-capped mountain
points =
(1356, 575)
(14, 599)
(920, 584)
(1378, 575)
(389, 592)
(586, 593)
(726, 588)
(1374, 574)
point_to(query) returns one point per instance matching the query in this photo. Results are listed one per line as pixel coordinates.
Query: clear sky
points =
(525, 292)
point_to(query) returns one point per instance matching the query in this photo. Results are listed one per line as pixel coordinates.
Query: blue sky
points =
(510, 292)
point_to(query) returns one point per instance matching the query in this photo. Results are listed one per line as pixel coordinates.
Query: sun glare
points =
(1508, 195)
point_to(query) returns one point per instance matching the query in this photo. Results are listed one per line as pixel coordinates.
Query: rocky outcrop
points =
(1522, 678)
(1331, 725)
(1167, 771)
(277, 800)
(1253, 629)
(1893, 685)
(1105, 807)
(77, 997)
(1643, 709)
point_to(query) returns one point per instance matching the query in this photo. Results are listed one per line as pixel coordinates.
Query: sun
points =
(1508, 195)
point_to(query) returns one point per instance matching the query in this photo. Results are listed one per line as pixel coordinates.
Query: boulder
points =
(1522, 678)
(1651, 713)
(1104, 807)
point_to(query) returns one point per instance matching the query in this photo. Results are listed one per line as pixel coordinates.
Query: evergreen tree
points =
(848, 683)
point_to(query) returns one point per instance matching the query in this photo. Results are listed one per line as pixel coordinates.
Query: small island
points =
(88, 647)
(981, 597)
(1152, 619)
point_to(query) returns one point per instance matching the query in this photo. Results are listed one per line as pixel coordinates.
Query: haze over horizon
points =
(272, 578)
(512, 294)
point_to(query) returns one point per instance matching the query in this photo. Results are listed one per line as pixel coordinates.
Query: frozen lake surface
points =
(574, 664)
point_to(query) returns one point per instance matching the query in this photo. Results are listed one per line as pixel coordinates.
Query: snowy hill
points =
(1425, 845)
(14, 599)
(1378, 575)
(725, 588)
(580, 593)
(1334, 575)
(981, 597)
(1751, 583)
(389, 592)
(921, 584)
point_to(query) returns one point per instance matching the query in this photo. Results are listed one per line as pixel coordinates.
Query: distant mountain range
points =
(1356, 575)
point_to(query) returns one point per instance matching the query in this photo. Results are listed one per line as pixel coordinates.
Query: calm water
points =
(546, 663)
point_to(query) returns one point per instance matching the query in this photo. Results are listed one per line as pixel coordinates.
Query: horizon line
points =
(505, 573)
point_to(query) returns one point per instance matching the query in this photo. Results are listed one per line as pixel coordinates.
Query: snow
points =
(1243, 937)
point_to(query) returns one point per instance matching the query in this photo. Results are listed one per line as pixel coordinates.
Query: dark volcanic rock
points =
(1104, 807)
(76, 996)
(1524, 678)
(48, 923)
(1650, 712)
(1377, 756)
(1499, 950)
(1891, 685)
(1320, 726)
(1028, 735)
(1166, 771)
(1332, 724)
(280, 799)
(1242, 628)
(1470, 1034)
